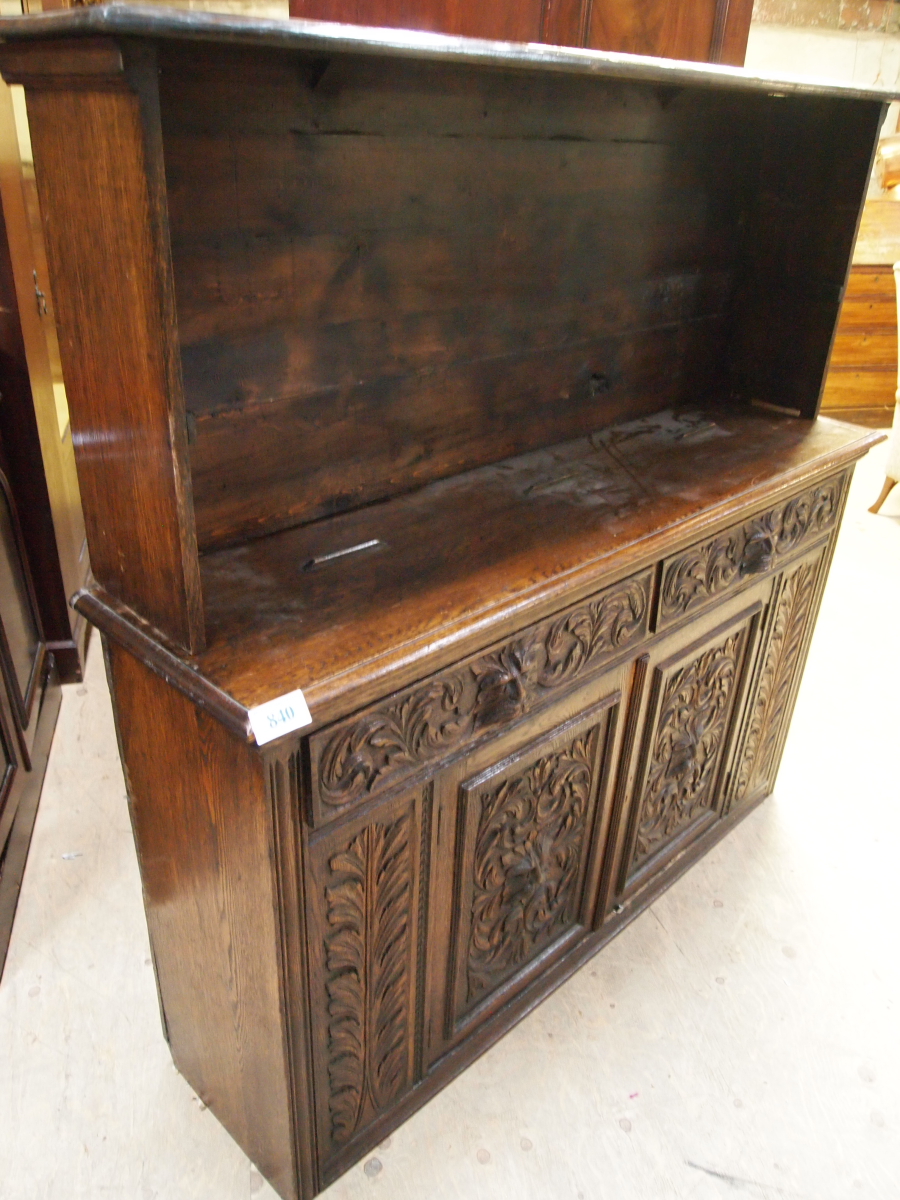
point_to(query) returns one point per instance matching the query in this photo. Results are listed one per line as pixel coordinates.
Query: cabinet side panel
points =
(99, 176)
(202, 825)
(797, 243)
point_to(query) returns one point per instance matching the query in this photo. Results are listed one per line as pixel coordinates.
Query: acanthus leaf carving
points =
(367, 753)
(772, 693)
(706, 571)
(368, 964)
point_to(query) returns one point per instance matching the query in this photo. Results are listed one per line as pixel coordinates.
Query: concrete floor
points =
(740, 1039)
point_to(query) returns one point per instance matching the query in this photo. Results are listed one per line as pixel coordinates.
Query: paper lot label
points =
(281, 715)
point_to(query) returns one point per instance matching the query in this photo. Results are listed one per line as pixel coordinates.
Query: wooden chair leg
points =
(889, 485)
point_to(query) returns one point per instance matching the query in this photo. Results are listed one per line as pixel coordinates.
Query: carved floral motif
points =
(528, 853)
(776, 678)
(367, 961)
(707, 570)
(687, 750)
(370, 752)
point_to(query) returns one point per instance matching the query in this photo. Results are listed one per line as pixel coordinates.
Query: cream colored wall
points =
(841, 56)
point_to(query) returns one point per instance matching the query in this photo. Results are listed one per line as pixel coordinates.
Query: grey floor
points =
(741, 1039)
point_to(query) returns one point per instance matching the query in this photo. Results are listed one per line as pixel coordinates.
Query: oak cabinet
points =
(462, 399)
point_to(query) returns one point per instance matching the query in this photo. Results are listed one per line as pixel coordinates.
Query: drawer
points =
(414, 731)
(699, 576)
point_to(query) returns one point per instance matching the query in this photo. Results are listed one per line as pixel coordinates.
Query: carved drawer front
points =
(413, 732)
(699, 576)
(363, 915)
(688, 730)
(772, 692)
(526, 844)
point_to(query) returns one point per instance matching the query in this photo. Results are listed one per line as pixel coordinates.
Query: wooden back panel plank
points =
(98, 166)
(388, 273)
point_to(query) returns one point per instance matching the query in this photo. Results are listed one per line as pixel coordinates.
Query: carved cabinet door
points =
(687, 707)
(364, 882)
(518, 833)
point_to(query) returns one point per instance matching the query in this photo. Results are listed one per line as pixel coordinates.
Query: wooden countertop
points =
(469, 559)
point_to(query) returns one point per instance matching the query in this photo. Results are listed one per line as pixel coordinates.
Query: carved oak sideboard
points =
(470, 391)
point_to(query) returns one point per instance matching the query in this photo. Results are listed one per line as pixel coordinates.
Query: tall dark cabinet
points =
(29, 692)
(459, 513)
(702, 30)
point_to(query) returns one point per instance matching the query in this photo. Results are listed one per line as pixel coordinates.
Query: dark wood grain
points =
(460, 560)
(801, 229)
(203, 828)
(519, 22)
(714, 30)
(668, 28)
(105, 227)
(488, 359)
(375, 300)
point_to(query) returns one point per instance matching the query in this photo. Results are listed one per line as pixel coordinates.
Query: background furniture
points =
(862, 372)
(892, 465)
(470, 389)
(43, 555)
(34, 415)
(708, 30)
(29, 695)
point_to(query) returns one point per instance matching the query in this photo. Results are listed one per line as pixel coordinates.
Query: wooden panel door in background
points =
(703, 30)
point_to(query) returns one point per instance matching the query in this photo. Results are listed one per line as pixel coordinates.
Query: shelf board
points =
(468, 560)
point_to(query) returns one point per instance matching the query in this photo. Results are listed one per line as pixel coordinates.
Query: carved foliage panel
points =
(769, 707)
(375, 750)
(526, 844)
(687, 737)
(363, 898)
(701, 574)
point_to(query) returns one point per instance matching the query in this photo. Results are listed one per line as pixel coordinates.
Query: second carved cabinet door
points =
(691, 701)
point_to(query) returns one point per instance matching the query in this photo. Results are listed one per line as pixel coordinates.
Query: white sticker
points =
(269, 721)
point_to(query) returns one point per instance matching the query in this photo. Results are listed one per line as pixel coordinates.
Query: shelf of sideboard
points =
(469, 559)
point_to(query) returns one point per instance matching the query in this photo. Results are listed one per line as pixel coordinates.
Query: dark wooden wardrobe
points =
(703, 30)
